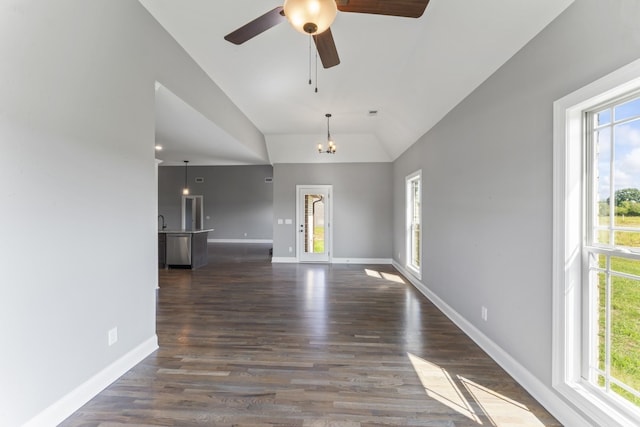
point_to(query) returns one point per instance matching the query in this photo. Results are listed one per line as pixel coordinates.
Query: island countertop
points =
(185, 231)
(183, 248)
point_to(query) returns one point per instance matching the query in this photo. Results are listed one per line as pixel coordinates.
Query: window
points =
(414, 215)
(612, 249)
(596, 261)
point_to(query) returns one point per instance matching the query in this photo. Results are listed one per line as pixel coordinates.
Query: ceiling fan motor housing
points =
(310, 16)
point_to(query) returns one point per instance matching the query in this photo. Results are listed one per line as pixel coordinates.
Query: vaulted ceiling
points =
(410, 71)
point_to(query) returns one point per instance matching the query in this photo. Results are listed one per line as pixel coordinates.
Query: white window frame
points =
(415, 270)
(569, 192)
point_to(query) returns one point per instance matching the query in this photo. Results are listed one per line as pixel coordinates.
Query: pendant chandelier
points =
(331, 147)
(185, 190)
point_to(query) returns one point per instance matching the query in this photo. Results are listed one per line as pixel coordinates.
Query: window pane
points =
(628, 109)
(602, 220)
(625, 328)
(415, 256)
(622, 392)
(627, 173)
(600, 341)
(602, 261)
(415, 227)
(602, 179)
(601, 380)
(626, 215)
(602, 236)
(413, 222)
(625, 265)
(603, 117)
(629, 239)
(415, 194)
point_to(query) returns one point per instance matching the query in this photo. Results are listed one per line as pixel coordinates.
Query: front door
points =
(314, 223)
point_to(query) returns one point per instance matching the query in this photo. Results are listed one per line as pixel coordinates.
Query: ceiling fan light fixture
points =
(310, 16)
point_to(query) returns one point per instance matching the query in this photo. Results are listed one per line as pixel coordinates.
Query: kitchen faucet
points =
(163, 224)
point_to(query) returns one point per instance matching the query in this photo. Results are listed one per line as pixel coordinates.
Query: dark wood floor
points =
(247, 343)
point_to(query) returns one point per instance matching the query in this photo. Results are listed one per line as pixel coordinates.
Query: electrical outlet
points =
(112, 336)
(290, 249)
(484, 313)
(245, 234)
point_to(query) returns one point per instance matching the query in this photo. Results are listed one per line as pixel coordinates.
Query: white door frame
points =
(314, 189)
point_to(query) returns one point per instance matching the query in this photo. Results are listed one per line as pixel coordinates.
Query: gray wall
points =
(362, 212)
(487, 177)
(78, 251)
(236, 198)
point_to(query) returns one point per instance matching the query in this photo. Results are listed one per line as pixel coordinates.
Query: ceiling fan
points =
(314, 17)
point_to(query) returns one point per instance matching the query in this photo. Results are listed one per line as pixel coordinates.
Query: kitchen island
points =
(183, 248)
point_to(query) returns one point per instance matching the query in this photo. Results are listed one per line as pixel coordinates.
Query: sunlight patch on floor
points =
(440, 386)
(382, 275)
(373, 273)
(476, 402)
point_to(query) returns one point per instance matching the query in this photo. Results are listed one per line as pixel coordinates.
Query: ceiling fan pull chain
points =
(316, 70)
(310, 36)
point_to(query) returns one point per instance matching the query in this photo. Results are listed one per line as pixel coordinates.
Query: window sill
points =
(602, 409)
(414, 272)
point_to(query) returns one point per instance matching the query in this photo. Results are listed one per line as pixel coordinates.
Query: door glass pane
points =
(314, 223)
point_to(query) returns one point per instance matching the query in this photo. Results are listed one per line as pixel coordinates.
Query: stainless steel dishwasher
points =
(179, 249)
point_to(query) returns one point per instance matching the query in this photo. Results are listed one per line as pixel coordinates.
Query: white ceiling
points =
(412, 71)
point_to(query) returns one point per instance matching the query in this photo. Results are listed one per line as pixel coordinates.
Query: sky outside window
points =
(624, 133)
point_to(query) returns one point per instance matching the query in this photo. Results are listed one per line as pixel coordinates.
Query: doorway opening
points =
(192, 212)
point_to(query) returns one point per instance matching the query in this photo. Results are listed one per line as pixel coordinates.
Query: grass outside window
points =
(624, 295)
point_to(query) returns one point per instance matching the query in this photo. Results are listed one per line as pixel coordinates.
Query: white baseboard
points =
(68, 404)
(282, 259)
(543, 394)
(240, 240)
(275, 260)
(361, 260)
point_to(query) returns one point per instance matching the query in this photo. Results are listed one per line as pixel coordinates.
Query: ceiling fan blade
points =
(406, 8)
(327, 49)
(257, 26)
